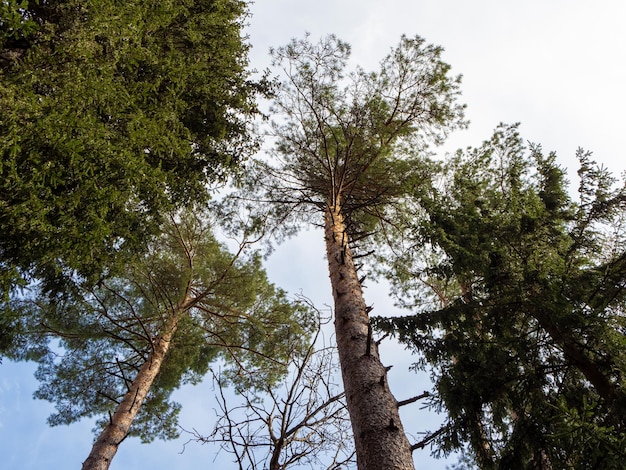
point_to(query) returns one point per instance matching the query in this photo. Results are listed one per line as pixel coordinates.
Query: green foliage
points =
(110, 113)
(353, 138)
(528, 339)
(15, 25)
(106, 333)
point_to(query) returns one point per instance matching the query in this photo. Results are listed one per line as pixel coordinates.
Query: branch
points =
(408, 401)
(371, 252)
(304, 421)
(428, 439)
(108, 397)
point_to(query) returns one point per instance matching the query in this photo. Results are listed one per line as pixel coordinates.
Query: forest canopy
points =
(110, 113)
(120, 121)
(519, 297)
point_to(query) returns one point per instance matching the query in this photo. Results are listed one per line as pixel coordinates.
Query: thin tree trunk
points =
(105, 447)
(380, 441)
(275, 459)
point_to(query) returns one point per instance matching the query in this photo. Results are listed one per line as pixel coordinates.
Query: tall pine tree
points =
(347, 148)
(127, 343)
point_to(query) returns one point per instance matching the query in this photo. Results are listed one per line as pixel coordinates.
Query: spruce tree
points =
(519, 299)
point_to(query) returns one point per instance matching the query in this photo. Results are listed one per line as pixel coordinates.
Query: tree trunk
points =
(105, 447)
(278, 448)
(380, 440)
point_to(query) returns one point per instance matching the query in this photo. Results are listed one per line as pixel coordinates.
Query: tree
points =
(301, 422)
(346, 148)
(110, 113)
(127, 343)
(527, 340)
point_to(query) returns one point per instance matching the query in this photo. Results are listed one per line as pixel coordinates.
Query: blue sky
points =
(556, 66)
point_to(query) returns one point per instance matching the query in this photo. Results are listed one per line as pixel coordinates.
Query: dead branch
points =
(428, 439)
(413, 399)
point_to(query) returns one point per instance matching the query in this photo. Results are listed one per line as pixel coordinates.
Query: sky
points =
(556, 66)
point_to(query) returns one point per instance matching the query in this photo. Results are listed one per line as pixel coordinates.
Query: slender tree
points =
(129, 342)
(110, 113)
(346, 148)
(526, 328)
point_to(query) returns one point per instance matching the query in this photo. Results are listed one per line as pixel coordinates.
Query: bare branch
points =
(428, 439)
(413, 399)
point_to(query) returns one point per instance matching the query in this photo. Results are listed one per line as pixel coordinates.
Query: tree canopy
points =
(221, 306)
(110, 113)
(519, 293)
(114, 115)
(352, 137)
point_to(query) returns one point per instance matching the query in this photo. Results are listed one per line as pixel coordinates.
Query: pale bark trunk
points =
(380, 441)
(105, 447)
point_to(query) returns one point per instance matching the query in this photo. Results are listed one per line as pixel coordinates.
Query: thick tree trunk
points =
(105, 447)
(380, 440)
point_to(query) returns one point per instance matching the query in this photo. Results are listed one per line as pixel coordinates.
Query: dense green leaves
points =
(527, 342)
(111, 112)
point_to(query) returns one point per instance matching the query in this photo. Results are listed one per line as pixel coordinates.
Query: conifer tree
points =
(347, 147)
(111, 113)
(127, 343)
(519, 299)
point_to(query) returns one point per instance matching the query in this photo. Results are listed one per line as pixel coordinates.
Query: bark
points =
(380, 441)
(480, 443)
(275, 459)
(105, 447)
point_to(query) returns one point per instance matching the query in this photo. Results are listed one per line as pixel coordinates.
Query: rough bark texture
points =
(105, 447)
(380, 441)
